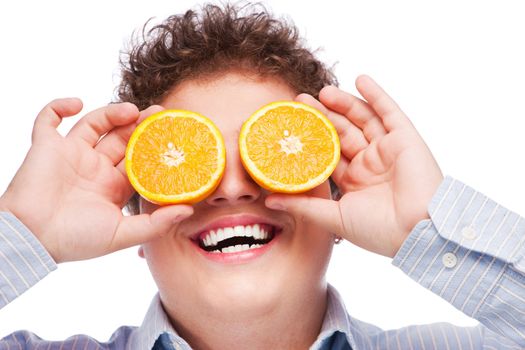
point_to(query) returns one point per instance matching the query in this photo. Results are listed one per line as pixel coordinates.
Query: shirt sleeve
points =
(471, 253)
(23, 260)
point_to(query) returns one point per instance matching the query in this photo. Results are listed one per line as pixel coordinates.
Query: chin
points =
(259, 293)
(244, 292)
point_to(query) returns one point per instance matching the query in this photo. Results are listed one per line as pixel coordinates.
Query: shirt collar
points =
(336, 319)
(156, 323)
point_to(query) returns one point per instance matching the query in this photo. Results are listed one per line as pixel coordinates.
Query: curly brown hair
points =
(212, 40)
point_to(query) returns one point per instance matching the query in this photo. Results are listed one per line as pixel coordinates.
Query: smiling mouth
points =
(237, 239)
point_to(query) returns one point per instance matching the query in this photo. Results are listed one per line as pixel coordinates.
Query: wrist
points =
(6, 207)
(405, 233)
(3, 204)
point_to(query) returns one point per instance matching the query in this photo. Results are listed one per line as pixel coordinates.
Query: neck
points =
(294, 324)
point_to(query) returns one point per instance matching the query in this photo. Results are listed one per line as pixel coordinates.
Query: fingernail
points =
(181, 217)
(275, 205)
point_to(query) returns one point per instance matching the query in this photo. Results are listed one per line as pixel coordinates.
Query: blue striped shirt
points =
(471, 253)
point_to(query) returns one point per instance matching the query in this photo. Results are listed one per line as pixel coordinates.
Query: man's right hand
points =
(69, 190)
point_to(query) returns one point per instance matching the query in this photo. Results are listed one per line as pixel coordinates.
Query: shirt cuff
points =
(472, 220)
(23, 259)
(470, 253)
(465, 248)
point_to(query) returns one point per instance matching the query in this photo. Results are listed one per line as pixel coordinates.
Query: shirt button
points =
(449, 260)
(468, 232)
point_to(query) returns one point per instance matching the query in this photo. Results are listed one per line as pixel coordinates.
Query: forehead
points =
(228, 99)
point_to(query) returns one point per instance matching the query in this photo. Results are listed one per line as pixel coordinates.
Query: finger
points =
(386, 108)
(148, 112)
(97, 123)
(322, 212)
(121, 167)
(355, 109)
(51, 115)
(351, 137)
(114, 143)
(340, 171)
(137, 229)
(123, 193)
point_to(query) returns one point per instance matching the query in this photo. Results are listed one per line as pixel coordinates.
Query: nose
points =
(236, 187)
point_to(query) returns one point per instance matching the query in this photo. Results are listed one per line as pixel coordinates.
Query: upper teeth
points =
(215, 236)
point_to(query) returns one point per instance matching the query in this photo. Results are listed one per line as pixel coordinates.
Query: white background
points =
(456, 68)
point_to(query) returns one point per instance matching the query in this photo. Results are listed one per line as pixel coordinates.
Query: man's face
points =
(291, 267)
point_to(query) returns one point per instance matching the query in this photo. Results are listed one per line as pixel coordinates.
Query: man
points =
(225, 65)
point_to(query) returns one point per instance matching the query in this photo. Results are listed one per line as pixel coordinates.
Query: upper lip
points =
(235, 220)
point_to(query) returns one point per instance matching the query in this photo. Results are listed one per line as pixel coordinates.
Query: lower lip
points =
(239, 257)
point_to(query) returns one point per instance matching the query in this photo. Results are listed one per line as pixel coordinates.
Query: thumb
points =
(319, 211)
(137, 229)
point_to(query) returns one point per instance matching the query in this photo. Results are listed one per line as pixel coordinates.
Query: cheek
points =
(314, 245)
(165, 262)
(316, 242)
(309, 264)
(155, 255)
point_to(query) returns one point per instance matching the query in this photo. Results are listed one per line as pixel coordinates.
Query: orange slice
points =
(289, 147)
(175, 156)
